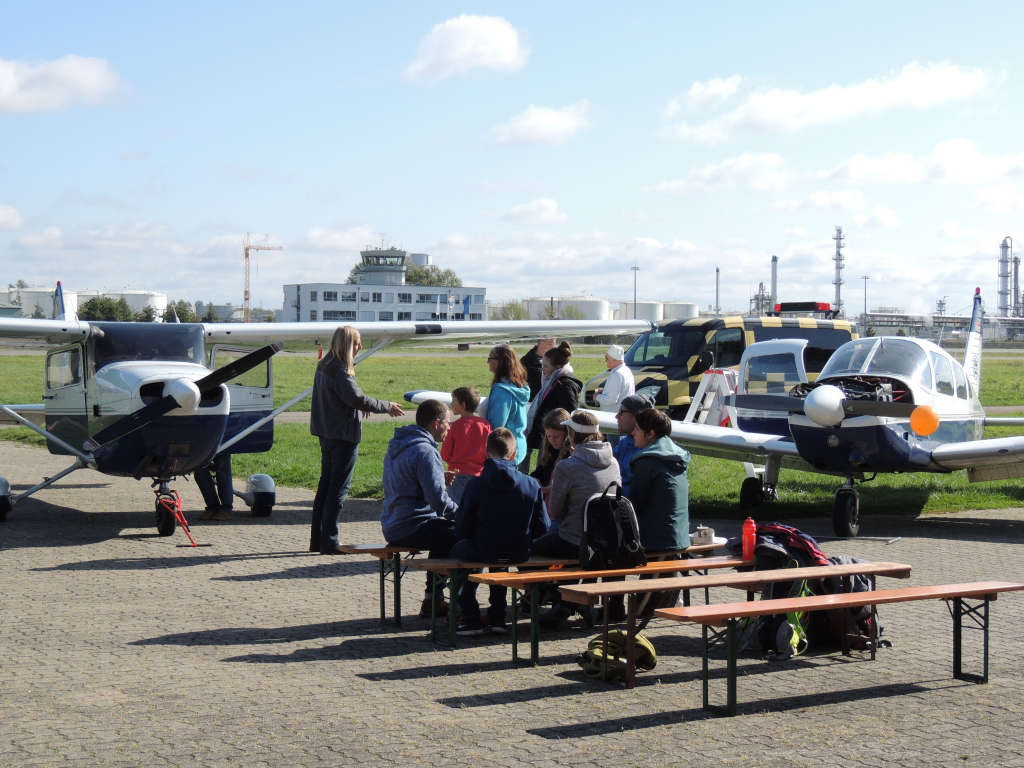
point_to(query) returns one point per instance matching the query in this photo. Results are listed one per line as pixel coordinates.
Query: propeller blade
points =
(209, 383)
(876, 408)
(768, 403)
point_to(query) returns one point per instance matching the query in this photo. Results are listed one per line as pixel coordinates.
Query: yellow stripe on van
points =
(771, 322)
(807, 322)
(735, 321)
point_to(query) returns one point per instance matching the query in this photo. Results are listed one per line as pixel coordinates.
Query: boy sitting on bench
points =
(502, 511)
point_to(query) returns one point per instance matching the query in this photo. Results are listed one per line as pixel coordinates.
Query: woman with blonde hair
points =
(336, 419)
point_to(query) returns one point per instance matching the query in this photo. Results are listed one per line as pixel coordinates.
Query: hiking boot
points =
(442, 608)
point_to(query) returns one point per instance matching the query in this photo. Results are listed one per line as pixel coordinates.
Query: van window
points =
(672, 346)
(821, 342)
(728, 347)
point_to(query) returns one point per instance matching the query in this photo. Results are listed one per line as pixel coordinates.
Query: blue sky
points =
(534, 148)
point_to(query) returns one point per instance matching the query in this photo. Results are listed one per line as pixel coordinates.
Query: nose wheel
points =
(846, 512)
(168, 512)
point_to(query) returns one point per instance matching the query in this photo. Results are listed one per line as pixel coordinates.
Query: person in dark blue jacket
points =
(501, 512)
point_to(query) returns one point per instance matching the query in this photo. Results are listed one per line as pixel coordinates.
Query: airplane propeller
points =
(827, 405)
(179, 393)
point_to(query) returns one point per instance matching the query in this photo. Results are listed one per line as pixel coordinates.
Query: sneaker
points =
(442, 608)
(469, 630)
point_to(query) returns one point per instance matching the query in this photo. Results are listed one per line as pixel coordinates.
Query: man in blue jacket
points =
(501, 512)
(417, 510)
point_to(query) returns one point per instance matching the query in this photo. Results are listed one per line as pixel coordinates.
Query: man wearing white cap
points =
(619, 384)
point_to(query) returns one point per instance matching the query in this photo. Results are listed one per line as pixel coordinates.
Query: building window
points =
(364, 295)
(426, 298)
(405, 315)
(339, 314)
(389, 316)
(405, 298)
(366, 316)
(312, 315)
(425, 316)
(348, 296)
(478, 298)
(312, 295)
(330, 295)
(474, 316)
(378, 298)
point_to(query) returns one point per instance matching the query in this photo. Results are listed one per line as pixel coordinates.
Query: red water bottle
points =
(749, 538)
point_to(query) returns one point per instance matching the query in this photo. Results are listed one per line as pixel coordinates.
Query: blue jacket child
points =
(501, 512)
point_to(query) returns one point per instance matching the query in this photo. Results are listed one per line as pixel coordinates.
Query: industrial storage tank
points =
(679, 310)
(568, 308)
(645, 310)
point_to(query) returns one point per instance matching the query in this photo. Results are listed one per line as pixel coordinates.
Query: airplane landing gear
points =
(168, 509)
(846, 511)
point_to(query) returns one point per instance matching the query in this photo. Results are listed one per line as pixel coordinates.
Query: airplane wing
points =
(982, 455)
(33, 412)
(265, 333)
(47, 331)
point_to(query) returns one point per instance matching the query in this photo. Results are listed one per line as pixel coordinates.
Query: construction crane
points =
(247, 246)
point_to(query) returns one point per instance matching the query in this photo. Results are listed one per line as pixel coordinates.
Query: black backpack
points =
(611, 536)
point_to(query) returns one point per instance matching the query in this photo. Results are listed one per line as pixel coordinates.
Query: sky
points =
(535, 148)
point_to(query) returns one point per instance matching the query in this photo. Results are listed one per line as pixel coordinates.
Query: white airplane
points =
(149, 400)
(881, 404)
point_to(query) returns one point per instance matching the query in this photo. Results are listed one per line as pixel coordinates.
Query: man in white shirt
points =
(619, 384)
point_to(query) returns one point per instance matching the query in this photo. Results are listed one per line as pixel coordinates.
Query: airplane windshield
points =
(849, 358)
(892, 357)
(669, 347)
(178, 342)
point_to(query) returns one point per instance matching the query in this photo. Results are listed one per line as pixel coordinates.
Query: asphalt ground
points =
(120, 647)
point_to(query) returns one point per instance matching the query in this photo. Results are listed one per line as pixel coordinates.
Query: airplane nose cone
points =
(185, 393)
(824, 405)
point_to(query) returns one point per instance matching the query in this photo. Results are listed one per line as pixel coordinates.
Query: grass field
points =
(714, 483)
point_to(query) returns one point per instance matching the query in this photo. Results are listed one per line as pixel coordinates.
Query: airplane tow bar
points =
(172, 503)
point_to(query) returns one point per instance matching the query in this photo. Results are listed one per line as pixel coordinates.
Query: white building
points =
(380, 293)
(36, 301)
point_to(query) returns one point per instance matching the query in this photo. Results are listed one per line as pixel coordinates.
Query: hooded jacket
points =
(660, 492)
(501, 511)
(506, 407)
(338, 403)
(590, 469)
(413, 483)
(563, 392)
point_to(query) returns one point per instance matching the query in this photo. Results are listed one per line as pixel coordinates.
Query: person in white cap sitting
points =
(619, 385)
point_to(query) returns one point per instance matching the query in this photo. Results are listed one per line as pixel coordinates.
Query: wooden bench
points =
(729, 614)
(389, 562)
(531, 581)
(752, 581)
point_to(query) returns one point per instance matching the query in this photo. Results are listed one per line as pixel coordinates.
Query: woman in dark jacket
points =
(335, 417)
(659, 490)
(559, 389)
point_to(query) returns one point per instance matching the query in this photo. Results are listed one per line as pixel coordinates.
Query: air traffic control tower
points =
(382, 266)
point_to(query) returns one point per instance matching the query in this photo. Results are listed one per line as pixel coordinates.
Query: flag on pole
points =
(58, 303)
(465, 307)
(451, 305)
(437, 308)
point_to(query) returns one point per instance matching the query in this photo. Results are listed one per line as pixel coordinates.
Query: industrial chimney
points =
(1003, 293)
(775, 282)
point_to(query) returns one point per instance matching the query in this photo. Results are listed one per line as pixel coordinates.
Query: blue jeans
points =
(436, 535)
(464, 549)
(219, 497)
(337, 463)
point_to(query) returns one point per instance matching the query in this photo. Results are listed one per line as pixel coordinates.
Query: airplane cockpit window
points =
(943, 374)
(63, 368)
(903, 359)
(961, 381)
(849, 358)
(175, 342)
(669, 347)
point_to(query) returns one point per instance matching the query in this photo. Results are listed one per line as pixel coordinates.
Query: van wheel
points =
(751, 493)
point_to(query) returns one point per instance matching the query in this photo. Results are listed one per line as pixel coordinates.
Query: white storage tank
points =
(679, 310)
(645, 310)
(569, 308)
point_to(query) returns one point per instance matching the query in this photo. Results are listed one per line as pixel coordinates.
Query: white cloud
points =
(10, 218)
(49, 237)
(916, 86)
(1001, 198)
(542, 210)
(701, 92)
(353, 239)
(56, 84)
(762, 171)
(956, 161)
(546, 125)
(878, 217)
(464, 43)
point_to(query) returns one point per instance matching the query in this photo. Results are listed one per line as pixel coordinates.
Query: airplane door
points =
(252, 398)
(64, 397)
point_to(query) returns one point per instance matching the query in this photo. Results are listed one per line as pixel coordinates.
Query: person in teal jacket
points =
(509, 397)
(660, 490)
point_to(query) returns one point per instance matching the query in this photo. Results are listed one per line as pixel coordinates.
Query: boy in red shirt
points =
(465, 446)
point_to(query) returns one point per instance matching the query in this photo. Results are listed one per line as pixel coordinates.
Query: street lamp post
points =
(635, 268)
(864, 320)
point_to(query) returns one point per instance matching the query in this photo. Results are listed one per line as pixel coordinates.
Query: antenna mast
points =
(248, 246)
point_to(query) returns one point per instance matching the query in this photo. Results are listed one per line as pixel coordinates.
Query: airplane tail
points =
(58, 303)
(972, 352)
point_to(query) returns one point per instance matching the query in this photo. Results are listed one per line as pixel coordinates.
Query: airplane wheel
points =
(5, 507)
(846, 513)
(751, 493)
(262, 510)
(165, 522)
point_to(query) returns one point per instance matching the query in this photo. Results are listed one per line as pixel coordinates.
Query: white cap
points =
(616, 352)
(575, 426)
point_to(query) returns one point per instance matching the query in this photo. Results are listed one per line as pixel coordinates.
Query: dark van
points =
(668, 362)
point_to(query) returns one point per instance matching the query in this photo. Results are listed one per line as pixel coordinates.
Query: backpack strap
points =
(618, 489)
